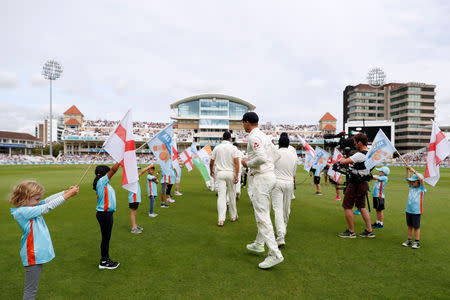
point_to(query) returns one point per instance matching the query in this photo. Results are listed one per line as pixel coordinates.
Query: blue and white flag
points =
(309, 159)
(161, 146)
(320, 160)
(381, 148)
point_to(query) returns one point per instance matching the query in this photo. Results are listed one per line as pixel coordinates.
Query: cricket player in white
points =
(238, 184)
(261, 156)
(282, 194)
(224, 167)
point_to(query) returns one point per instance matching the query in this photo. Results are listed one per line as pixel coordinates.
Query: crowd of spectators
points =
(142, 158)
(289, 127)
(22, 158)
(184, 135)
(102, 129)
(309, 136)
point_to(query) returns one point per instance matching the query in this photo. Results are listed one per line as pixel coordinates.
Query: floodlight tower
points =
(51, 71)
(376, 77)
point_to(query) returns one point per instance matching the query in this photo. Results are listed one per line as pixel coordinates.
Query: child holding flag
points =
(106, 206)
(36, 245)
(152, 188)
(133, 203)
(379, 196)
(414, 208)
(167, 180)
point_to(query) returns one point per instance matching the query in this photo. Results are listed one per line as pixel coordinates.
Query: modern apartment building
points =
(409, 105)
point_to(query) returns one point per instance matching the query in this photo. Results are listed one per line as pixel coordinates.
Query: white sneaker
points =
(280, 241)
(270, 261)
(170, 200)
(255, 247)
(152, 215)
(177, 193)
(136, 230)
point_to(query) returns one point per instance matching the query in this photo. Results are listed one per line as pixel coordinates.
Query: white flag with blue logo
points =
(309, 159)
(161, 146)
(320, 161)
(380, 150)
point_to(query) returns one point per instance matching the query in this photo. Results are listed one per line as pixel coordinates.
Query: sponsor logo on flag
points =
(309, 159)
(320, 161)
(161, 146)
(336, 176)
(380, 150)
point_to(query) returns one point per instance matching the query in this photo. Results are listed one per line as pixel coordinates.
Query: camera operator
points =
(355, 193)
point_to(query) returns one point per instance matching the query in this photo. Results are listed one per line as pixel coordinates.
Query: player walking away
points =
(224, 166)
(238, 184)
(261, 156)
(282, 194)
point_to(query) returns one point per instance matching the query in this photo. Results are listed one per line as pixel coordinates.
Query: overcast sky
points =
(292, 59)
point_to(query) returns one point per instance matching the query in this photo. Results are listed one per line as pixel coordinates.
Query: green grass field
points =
(183, 254)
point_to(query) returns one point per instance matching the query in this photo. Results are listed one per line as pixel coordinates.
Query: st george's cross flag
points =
(201, 161)
(175, 157)
(438, 150)
(205, 155)
(306, 146)
(120, 145)
(336, 176)
(187, 158)
(161, 146)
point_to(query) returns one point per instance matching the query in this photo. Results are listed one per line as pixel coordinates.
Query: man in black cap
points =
(261, 156)
(282, 194)
(225, 162)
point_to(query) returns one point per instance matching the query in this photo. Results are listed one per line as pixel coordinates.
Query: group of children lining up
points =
(414, 205)
(36, 244)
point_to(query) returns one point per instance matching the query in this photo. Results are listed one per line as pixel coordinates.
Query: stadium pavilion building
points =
(203, 119)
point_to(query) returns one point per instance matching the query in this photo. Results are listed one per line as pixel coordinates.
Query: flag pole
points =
(142, 146)
(404, 161)
(85, 172)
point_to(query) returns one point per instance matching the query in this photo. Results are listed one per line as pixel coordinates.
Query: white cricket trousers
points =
(260, 190)
(281, 203)
(238, 185)
(225, 189)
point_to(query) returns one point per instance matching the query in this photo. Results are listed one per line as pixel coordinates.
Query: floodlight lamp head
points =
(376, 77)
(52, 70)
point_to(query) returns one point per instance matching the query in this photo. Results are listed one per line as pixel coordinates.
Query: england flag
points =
(120, 145)
(438, 150)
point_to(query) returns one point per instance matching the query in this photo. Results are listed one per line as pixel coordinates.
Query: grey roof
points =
(231, 98)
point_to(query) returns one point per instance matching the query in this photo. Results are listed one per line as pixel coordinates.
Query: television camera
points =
(347, 148)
